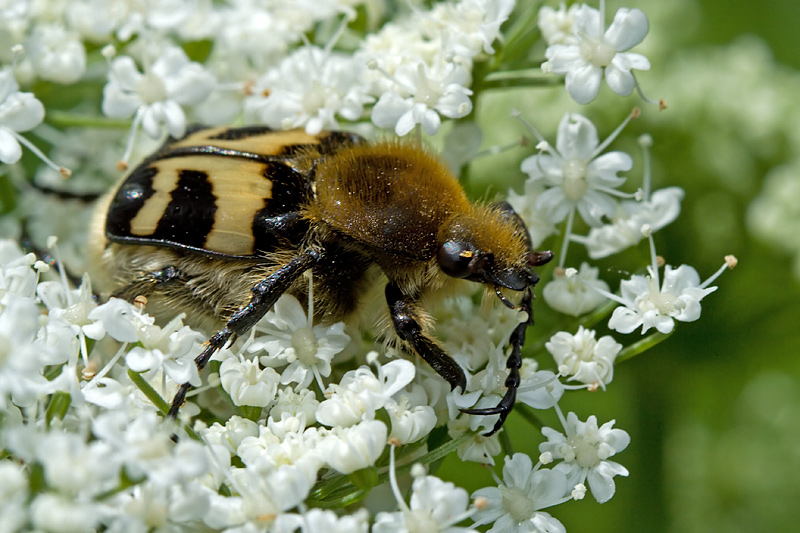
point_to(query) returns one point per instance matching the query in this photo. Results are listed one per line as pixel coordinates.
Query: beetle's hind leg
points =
(513, 364)
(264, 295)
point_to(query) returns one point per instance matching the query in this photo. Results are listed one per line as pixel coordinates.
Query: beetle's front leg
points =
(513, 364)
(406, 322)
(265, 294)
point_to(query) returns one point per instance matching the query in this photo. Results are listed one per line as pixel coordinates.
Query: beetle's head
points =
(491, 246)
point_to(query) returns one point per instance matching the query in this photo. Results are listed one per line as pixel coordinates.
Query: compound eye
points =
(454, 258)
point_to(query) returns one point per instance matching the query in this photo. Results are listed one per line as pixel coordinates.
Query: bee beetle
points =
(223, 221)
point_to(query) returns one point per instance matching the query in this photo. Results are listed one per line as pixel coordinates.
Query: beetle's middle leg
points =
(406, 322)
(265, 294)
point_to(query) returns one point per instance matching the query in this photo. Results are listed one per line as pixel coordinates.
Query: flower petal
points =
(583, 83)
(10, 150)
(624, 320)
(576, 137)
(628, 29)
(21, 112)
(388, 110)
(620, 81)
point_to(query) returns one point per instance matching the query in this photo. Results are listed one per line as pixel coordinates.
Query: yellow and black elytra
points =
(224, 221)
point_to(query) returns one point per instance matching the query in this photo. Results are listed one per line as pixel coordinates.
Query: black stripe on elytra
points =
(277, 221)
(328, 144)
(233, 134)
(185, 151)
(128, 200)
(189, 216)
(337, 140)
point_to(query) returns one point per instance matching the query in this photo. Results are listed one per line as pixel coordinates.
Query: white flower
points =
(96, 153)
(325, 521)
(599, 52)
(70, 464)
(583, 358)
(63, 514)
(108, 393)
(157, 95)
(171, 349)
(360, 393)
(284, 444)
(575, 175)
(17, 278)
(265, 497)
(628, 225)
(516, 505)
(48, 215)
(156, 15)
(239, 44)
(120, 319)
(226, 512)
(478, 448)
(354, 448)
(469, 27)
(648, 305)
(410, 423)
(773, 215)
(143, 446)
(585, 449)
(286, 334)
(56, 54)
(420, 95)
(536, 220)
(394, 46)
(575, 294)
(13, 496)
(22, 361)
(72, 306)
(231, 435)
(436, 506)
(467, 341)
(301, 403)
(18, 112)
(188, 504)
(95, 20)
(309, 89)
(556, 25)
(246, 383)
(539, 389)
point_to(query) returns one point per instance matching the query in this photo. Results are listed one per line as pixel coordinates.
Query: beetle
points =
(223, 221)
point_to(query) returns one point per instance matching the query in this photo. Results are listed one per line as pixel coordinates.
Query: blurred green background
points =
(713, 412)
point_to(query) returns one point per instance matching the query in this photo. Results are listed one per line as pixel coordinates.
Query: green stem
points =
(328, 487)
(527, 413)
(641, 346)
(338, 492)
(156, 399)
(125, 482)
(522, 35)
(589, 320)
(66, 119)
(505, 443)
(57, 408)
(523, 74)
(522, 82)
(343, 501)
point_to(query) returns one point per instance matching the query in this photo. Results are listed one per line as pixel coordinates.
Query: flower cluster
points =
(585, 51)
(303, 415)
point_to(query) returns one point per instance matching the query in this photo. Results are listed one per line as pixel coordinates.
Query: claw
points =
(489, 411)
(513, 364)
(508, 303)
